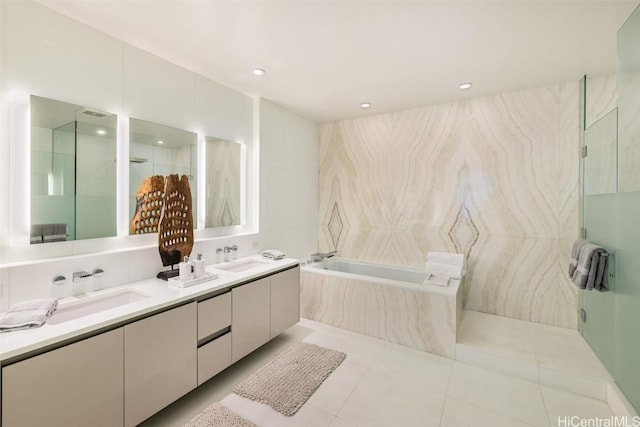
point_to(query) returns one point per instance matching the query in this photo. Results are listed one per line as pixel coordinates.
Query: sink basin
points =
(237, 267)
(87, 305)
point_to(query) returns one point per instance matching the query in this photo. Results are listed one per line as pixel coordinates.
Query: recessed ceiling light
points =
(259, 71)
(101, 132)
(465, 86)
(160, 142)
(365, 105)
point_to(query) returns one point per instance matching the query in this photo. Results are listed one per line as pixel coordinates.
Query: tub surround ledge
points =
(424, 317)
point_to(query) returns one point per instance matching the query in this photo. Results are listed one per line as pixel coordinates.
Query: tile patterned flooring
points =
(387, 385)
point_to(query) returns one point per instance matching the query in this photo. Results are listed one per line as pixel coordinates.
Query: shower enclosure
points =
(610, 217)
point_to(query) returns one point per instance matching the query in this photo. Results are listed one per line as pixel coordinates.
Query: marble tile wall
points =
(494, 177)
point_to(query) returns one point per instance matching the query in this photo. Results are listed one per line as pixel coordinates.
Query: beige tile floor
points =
(384, 384)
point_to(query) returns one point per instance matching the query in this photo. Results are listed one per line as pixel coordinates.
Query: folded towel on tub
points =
(448, 270)
(436, 280)
(28, 314)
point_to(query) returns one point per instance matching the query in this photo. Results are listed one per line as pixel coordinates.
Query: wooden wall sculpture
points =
(175, 232)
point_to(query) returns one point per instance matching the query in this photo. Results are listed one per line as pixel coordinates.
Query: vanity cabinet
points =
(160, 361)
(214, 336)
(263, 309)
(76, 385)
(127, 374)
(285, 300)
(251, 315)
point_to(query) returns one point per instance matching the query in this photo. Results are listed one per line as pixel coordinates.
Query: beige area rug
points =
(218, 415)
(290, 379)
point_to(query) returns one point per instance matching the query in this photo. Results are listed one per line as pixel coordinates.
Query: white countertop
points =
(161, 295)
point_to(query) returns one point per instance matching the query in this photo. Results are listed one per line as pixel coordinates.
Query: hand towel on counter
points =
(28, 314)
(575, 254)
(592, 271)
(448, 270)
(449, 263)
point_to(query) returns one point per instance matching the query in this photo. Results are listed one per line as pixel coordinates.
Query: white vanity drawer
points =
(213, 357)
(214, 314)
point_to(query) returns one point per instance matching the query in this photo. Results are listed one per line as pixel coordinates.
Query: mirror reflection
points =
(159, 150)
(224, 181)
(73, 172)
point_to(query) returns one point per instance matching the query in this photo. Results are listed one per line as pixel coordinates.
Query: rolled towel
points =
(438, 269)
(446, 258)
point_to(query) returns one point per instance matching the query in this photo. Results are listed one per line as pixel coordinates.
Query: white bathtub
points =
(383, 301)
(390, 275)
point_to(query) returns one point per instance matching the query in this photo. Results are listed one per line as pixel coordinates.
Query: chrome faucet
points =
(319, 256)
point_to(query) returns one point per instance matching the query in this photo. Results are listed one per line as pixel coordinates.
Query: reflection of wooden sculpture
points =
(175, 231)
(149, 201)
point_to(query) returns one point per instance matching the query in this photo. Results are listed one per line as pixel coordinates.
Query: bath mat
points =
(218, 415)
(290, 379)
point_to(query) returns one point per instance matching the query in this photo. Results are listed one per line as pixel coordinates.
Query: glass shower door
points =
(599, 205)
(612, 219)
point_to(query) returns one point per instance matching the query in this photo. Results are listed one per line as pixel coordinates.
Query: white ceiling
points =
(323, 58)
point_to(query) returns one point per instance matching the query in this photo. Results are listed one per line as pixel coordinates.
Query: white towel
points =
(438, 269)
(47, 304)
(23, 319)
(28, 314)
(436, 280)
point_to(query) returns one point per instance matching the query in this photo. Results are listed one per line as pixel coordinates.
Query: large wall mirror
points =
(224, 183)
(73, 172)
(156, 149)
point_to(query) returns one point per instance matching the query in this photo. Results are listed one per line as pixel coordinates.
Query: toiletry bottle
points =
(185, 269)
(198, 266)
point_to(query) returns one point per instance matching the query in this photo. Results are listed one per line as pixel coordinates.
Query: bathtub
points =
(383, 301)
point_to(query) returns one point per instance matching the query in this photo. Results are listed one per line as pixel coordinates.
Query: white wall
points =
(288, 182)
(89, 68)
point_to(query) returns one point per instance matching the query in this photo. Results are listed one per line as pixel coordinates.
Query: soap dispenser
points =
(185, 268)
(198, 266)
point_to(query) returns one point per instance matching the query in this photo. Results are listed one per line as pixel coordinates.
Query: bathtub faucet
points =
(322, 256)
